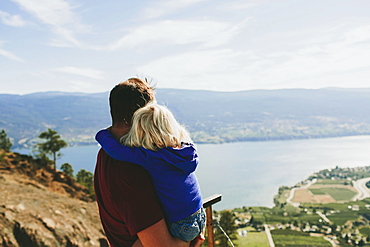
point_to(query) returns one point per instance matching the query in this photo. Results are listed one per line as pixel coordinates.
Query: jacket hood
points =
(184, 158)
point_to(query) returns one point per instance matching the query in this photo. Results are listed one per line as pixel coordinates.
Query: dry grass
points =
(306, 196)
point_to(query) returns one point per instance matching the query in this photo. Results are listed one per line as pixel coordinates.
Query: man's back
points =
(126, 199)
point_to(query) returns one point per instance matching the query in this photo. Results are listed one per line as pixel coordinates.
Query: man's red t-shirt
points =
(126, 199)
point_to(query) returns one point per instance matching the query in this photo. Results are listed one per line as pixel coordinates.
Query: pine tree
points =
(67, 168)
(5, 143)
(52, 145)
(85, 178)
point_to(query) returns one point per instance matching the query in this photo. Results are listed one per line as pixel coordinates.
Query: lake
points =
(250, 173)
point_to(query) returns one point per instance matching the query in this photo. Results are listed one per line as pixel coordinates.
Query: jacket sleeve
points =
(120, 152)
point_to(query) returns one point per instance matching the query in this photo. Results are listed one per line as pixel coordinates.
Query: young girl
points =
(157, 142)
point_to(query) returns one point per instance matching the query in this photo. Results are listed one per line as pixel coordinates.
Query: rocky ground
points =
(43, 207)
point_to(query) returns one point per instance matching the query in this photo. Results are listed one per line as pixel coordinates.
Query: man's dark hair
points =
(128, 96)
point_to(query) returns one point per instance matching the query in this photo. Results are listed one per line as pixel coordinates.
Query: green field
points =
(343, 217)
(338, 206)
(253, 239)
(330, 181)
(290, 238)
(339, 194)
(313, 218)
(365, 231)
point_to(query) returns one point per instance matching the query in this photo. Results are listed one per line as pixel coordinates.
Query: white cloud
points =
(85, 72)
(314, 63)
(196, 70)
(242, 4)
(168, 7)
(205, 32)
(67, 35)
(219, 38)
(358, 34)
(59, 15)
(10, 55)
(52, 12)
(11, 20)
(77, 85)
(347, 51)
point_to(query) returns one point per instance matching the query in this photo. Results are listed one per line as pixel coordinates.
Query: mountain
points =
(43, 207)
(210, 116)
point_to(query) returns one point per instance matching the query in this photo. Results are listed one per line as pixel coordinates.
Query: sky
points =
(91, 45)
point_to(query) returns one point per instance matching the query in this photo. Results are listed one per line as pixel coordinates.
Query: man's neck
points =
(119, 131)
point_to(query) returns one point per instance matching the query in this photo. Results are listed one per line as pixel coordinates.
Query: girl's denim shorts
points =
(189, 228)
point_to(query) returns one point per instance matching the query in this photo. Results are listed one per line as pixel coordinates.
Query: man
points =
(129, 209)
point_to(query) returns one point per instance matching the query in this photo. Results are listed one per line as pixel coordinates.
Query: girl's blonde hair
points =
(153, 127)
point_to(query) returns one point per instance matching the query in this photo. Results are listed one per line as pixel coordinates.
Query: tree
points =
(227, 223)
(295, 223)
(85, 178)
(5, 143)
(251, 221)
(67, 168)
(52, 145)
(361, 242)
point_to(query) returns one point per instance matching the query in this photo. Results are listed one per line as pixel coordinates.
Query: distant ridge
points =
(211, 116)
(349, 89)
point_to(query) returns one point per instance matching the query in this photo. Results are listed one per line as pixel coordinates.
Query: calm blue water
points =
(250, 173)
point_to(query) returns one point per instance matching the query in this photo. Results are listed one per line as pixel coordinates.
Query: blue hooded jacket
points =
(171, 169)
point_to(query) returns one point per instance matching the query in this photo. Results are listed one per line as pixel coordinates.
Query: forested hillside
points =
(210, 116)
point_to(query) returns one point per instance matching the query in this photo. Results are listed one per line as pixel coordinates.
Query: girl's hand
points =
(198, 241)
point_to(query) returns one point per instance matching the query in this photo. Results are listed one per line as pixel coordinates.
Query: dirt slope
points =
(41, 207)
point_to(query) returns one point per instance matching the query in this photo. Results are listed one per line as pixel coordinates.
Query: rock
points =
(20, 207)
(49, 223)
(83, 211)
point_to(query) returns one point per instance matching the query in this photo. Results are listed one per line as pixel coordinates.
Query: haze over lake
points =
(250, 173)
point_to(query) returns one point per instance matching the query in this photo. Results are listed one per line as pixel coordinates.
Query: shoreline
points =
(248, 139)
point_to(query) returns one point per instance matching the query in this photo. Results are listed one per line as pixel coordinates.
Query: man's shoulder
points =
(107, 163)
